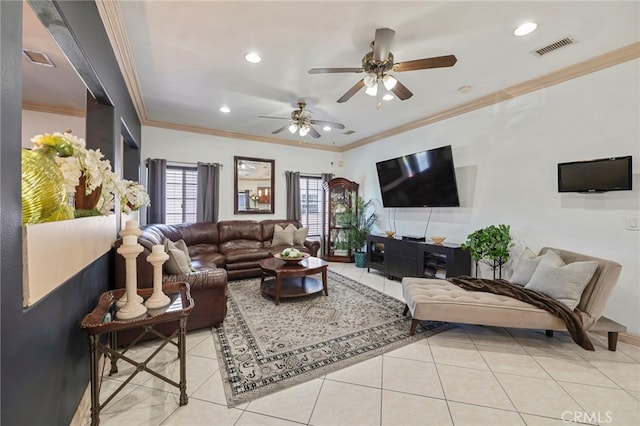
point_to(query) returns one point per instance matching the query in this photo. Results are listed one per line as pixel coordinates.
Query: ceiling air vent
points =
(38, 58)
(554, 46)
(349, 132)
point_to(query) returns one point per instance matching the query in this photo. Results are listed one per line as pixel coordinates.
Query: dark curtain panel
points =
(157, 212)
(293, 195)
(325, 177)
(207, 204)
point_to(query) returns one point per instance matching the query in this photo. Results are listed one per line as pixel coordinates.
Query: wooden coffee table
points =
(291, 279)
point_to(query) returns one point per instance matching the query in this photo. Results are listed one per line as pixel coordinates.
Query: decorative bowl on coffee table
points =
(291, 259)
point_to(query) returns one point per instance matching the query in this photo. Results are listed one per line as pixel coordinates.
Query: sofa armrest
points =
(313, 247)
(199, 280)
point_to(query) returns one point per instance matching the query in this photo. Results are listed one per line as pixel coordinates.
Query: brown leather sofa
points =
(218, 251)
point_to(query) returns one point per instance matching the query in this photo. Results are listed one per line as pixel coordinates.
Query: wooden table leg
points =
(324, 281)
(182, 353)
(95, 385)
(278, 287)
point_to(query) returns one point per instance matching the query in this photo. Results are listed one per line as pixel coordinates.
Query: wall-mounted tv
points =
(423, 179)
(601, 175)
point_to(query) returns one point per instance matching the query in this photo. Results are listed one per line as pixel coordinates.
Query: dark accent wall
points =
(43, 352)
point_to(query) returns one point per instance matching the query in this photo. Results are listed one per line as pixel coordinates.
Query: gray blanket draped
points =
(572, 319)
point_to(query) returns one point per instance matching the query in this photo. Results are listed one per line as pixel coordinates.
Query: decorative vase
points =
(130, 249)
(157, 257)
(43, 190)
(360, 258)
(84, 201)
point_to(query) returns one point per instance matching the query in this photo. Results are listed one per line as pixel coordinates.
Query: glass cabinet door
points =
(341, 195)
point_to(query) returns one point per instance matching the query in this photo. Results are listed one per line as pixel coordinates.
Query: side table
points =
(102, 320)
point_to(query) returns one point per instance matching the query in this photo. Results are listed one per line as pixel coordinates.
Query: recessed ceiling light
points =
(253, 57)
(524, 29)
(387, 97)
(326, 128)
(224, 109)
(464, 89)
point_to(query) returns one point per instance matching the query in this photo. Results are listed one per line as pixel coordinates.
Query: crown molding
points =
(53, 109)
(589, 66)
(113, 22)
(237, 135)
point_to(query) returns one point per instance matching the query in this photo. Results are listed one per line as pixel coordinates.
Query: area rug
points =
(263, 348)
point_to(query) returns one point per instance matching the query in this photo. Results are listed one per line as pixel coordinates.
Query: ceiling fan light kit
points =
(302, 123)
(377, 63)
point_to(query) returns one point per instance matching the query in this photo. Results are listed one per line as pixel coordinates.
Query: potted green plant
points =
(359, 222)
(490, 245)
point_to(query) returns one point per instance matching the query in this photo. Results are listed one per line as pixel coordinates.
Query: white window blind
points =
(182, 190)
(311, 200)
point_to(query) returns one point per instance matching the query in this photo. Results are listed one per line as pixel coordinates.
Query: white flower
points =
(97, 173)
(291, 252)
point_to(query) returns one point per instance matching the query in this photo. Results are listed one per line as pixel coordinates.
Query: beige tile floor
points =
(468, 375)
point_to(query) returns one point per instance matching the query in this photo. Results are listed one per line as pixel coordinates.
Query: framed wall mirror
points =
(253, 185)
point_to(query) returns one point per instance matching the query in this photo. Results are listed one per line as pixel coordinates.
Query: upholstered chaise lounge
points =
(440, 300)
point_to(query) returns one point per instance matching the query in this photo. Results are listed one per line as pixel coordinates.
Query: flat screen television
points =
(423, 179)
(601, 175)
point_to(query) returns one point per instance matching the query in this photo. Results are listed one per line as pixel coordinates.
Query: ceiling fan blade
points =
(359, 85)
(421, 64)
(328, 123)
(401, 91)
(334, 70)
(276, 118)
(275, 132)
(382, 44)
(313, 132)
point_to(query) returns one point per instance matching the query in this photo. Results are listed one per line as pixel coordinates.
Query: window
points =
(182, 190)
(311, 195)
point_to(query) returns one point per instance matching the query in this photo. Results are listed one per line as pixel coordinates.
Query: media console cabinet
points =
(398, 258)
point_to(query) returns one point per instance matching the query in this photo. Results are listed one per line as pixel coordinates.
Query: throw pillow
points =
(300, 235)
(563, 282)
(282, 237)
(526, 266)
(179, 261)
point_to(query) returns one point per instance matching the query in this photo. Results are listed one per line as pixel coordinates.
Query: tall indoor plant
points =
(490, 245)
(360, 222)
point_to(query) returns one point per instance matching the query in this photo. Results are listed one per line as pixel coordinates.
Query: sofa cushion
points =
(300, 236)
(563, 282)
(179, 261)
(208, 260)
(243, 255)
(526, 265)
(283, 236)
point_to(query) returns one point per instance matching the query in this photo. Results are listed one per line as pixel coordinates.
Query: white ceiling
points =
(188, 57)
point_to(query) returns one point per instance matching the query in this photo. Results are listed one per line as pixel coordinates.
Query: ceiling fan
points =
(302, 122)
(378, 63)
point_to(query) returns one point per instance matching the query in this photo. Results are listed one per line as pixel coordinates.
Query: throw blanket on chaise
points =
(572, 319)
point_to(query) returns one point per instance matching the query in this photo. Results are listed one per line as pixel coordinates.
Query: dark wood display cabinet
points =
(341, 195)
(402, 258)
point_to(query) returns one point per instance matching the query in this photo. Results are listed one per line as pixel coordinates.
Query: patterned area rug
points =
(263, 348)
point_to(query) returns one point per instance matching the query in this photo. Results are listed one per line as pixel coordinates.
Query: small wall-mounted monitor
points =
(601, 175)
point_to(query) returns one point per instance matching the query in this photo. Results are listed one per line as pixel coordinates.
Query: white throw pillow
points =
(300, 235)
(179, 261)
(563, 282)
(525, 267)
(282, 237)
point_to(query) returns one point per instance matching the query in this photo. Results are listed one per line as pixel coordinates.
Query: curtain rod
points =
(182, 162)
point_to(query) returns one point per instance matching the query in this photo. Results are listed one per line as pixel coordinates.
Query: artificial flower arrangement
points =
(97, 173)
(291, 253)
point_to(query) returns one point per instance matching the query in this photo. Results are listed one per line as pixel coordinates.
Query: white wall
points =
(188, 147)
(506, 160)
(37, 123)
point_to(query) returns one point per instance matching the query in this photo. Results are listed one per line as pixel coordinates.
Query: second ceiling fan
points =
(302, 122)
(379, 62)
